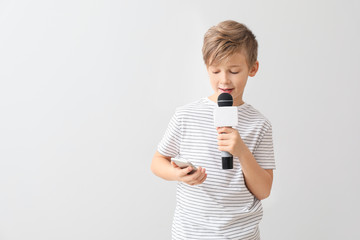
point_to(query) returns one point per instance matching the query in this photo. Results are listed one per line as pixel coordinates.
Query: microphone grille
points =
(225, 100)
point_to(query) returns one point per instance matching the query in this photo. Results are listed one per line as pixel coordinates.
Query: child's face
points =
(231, 76)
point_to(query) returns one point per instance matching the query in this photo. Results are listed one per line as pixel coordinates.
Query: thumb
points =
(188, 169)
(174, 164)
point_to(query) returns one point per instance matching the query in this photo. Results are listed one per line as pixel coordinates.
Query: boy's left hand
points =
(230, 141)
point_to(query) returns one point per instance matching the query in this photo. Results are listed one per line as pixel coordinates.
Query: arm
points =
(257, 179)
(163, 167)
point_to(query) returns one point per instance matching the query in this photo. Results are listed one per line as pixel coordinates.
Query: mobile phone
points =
(183, 163)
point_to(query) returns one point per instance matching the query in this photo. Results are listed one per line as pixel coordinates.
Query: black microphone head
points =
(225, 100)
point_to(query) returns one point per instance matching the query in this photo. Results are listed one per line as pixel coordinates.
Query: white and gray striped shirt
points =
(221, 207)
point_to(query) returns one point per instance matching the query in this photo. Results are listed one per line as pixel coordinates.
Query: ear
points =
(254, 69)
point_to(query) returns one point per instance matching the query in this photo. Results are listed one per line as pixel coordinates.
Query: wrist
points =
(174, 174)
(243, 151)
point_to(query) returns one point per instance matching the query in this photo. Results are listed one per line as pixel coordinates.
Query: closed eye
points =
(230, 72)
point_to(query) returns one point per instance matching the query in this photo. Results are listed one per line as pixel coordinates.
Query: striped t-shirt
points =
(221, 207)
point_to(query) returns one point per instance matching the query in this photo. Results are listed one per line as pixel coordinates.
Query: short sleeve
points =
(170, 143)
(264, 152)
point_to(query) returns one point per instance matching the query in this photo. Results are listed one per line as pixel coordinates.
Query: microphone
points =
(226, 100)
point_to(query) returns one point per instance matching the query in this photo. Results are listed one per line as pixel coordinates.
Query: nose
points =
(224, 79)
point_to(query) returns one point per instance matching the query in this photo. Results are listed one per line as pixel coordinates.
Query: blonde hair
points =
(227, 38)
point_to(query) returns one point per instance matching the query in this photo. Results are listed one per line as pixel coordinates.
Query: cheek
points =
(240, 80)
(240, 76)
(214, 83)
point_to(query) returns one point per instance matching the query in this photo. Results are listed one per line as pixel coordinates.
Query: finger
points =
(225, 130)
(185, 171)
(199, 180)
(224, 142)
(190, 178)
(200, 175)
(223, 136)
(194, 180)
(195, 173)
(203, 179)
(174, 165)
(198, 172)
(224, 149)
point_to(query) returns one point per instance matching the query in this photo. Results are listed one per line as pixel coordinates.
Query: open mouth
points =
(226, 90)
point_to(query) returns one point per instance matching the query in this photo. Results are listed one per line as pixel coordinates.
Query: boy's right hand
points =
(198, 177)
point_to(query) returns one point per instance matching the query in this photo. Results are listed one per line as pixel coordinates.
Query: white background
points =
(87, 89)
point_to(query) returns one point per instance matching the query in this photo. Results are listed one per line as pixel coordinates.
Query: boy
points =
(213, 203)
